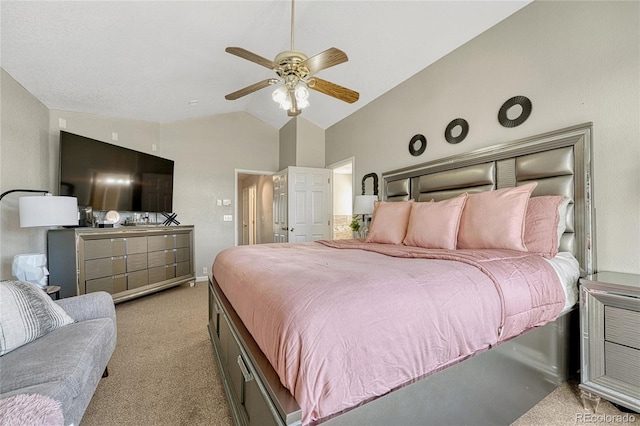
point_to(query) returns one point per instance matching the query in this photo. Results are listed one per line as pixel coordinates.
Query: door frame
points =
(338, 164)
(237, 218)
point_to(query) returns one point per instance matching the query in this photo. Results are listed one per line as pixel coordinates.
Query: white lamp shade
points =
(364, 204)
(48, 210)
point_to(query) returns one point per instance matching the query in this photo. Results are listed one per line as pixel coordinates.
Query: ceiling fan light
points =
(302, 93)
(302, 96)
(280, 94)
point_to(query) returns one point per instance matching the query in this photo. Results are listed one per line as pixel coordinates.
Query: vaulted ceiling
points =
(164, 60)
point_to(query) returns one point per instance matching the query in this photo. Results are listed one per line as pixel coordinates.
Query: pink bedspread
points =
(342, 326)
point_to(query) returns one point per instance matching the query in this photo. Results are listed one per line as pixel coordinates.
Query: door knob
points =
(291, 230)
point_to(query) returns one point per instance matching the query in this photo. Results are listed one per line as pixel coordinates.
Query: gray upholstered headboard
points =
(559, 161)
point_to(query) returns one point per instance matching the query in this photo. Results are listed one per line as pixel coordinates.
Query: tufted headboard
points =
(559, 161)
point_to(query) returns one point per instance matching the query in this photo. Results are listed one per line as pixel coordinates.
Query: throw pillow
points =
(389, 223)
(495, 219)
(562, 220)
(26, 313)
(541, 225)
(435, 225)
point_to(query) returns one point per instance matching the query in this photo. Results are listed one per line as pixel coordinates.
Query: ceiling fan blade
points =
(324, 60)
(332, 89)
(245, 54)
(250, 89)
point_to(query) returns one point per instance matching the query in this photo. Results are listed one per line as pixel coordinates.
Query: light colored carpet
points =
(163, 371)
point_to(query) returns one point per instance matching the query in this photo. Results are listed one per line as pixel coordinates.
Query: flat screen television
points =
(110, 177)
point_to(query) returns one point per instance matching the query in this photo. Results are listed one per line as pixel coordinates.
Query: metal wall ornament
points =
(412, 145)
(375, 182)
(524, 102)
(463, 134)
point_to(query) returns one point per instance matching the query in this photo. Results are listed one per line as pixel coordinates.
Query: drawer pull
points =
(245, 371)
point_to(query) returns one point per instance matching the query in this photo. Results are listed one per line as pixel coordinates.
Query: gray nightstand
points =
(610, 338)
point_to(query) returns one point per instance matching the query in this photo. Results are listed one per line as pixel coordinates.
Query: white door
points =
(245, 216)
(252, 214)
(280, 234)
(309, 204)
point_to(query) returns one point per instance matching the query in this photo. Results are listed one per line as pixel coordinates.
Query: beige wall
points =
(301, 144)
(576, 61)
(310, 143)
(207, 152)
(25, 158)
(287, 144)
(342, 194)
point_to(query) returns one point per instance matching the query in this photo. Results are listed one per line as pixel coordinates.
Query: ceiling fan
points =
(297, 72)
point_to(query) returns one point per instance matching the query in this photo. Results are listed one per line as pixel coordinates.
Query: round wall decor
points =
(524, 102)
(449, 135)
(412, 145)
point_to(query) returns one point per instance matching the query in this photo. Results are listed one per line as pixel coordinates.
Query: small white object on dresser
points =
(610, 339)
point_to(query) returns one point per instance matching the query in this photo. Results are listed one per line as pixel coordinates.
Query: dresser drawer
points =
(94, 249)
(136, 262)
(160, 242)
(183, 268)
(161, 273)
(161, 258)
(182, 254)
(136, 245)
(183, 240)
(98, 268)
(112, 285)
(137, 279)
(622, 326)
(622, 363)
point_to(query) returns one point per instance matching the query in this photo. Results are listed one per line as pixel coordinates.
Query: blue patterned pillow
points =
(26, 313)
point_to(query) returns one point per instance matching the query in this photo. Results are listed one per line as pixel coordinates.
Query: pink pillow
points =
(435, 225)
(495, 219)
(389, 223)
(541, 225)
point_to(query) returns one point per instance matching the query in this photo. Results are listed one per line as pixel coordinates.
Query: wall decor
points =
(455, 123)
(412, 145)
(524, 102)
(375, 182)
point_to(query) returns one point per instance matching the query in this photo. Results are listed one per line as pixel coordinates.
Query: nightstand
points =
(52, 290)
(610, 338)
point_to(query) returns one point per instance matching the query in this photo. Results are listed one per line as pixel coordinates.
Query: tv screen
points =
(110, 177)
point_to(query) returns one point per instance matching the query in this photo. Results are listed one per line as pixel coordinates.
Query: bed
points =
(508, 354)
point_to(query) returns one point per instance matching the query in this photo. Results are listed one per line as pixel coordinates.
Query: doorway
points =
(249, 223)
(342, 189)
(254, 208)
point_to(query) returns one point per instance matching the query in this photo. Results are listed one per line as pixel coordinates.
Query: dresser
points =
(126, 262)
(610, 338)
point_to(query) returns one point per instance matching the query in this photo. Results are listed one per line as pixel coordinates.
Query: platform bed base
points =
(494, 387)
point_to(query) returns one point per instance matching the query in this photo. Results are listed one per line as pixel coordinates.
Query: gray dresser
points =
(126, 262)
(610, 331)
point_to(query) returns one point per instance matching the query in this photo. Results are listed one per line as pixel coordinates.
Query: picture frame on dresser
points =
(610, 339)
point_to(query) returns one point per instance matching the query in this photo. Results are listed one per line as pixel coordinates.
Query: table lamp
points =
(44, 210)
(363, 204)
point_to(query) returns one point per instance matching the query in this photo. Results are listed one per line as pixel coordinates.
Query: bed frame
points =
(494, 387)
